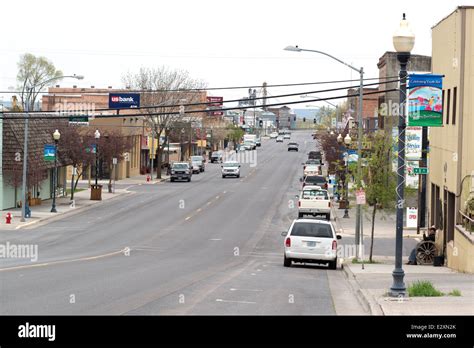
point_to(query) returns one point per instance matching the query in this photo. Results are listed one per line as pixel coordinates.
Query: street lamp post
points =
(347, 141)
(97, 137)
(30, 89)
(359, 143)
(168, 145)
(403, 41)
(181, 144)
(56, 136)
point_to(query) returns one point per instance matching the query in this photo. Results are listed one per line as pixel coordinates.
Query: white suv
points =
(311, 241)
(231, 168)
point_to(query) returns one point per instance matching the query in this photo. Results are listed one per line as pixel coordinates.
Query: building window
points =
(448, 106)
(455, 97)
(443, 104)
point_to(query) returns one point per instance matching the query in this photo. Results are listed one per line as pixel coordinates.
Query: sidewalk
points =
(372, 283)
(64, 206)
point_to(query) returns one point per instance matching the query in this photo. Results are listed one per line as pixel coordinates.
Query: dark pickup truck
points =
(315, 155)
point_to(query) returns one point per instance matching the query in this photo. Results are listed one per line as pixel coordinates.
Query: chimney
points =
(74, 86)
(110, 87)
(92, 86)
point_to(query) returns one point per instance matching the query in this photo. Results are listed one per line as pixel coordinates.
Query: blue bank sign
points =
(124, 100)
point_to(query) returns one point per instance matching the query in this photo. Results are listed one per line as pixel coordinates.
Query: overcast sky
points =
(225, 43)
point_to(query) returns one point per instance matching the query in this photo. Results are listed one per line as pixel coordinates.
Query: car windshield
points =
(196, 158)
(317, 194)
(179, 166)
(231, 164)
(215, 154)
(311, 229)
(315, 179)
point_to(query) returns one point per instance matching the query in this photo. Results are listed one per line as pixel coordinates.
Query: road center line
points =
(256, 290)
(246, 302)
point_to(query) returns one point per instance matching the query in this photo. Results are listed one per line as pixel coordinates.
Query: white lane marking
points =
(63, 261)
(246, 302)
(189, 217)
(253, 274)
(217, 197)
(209, 203)
(259, 270)
(224, 192)
(199, 209)
(215, 239)
(256, 290)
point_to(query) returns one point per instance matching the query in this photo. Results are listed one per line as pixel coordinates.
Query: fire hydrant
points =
(148, 178)
(8, 218)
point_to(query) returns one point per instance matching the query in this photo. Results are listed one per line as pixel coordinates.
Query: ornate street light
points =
(97, 137)
(403, 41)
(56, 136)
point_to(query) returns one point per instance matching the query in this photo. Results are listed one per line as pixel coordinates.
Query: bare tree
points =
(166, 87)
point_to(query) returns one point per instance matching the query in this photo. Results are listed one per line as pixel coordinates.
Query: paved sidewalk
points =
(372, 284)
(64, 206)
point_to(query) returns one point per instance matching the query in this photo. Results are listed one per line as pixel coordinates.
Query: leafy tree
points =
(379, 179)
(34, 73)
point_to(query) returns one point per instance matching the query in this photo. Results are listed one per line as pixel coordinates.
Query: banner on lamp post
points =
(425, 100)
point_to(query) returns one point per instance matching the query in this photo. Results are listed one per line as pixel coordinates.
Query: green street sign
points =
(422, 171)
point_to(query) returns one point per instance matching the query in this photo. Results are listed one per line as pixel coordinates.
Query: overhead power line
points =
(45, 115)
(125, 90)
(207, 103)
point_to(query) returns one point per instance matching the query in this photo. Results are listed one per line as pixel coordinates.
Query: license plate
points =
(310, 244)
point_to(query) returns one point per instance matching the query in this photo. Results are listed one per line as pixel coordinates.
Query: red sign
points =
(360, 196)
(215, 103)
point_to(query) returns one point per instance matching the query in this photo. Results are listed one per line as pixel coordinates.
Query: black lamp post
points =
(181, 143)
(403, 41)
(56, 136)
(347, 141)
(97, 137)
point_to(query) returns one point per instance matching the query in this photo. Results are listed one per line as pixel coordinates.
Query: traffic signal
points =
(304, 119)
(261, 123)
(314, 121)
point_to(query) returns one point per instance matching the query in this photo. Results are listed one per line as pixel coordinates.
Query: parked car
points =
(312, 201)
(199, 162)
(287, 136)
(310, 241)
(216, 157)
(313, 161)
(315, 155)
(311, 169)
(293, 147)
(279, 139)
(231, 168)
(258, 142)
(273, 135)
(318, 180)
(247, 146)
(180, 171)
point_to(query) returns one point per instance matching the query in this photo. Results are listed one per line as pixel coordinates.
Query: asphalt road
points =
(211, 246)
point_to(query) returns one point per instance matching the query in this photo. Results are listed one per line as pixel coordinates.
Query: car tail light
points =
(334, 244)
(329, 204)
(288, 242)
(304, 167)
(299, 204)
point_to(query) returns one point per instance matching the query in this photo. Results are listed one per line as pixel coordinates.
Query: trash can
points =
(96, 192)
(438, 261)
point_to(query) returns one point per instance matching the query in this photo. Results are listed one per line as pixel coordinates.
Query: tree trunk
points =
(110, 178)
(72, 185)
(158, 162)
(372, 232)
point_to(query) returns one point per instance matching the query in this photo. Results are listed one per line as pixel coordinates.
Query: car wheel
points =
(189, 179)
(332, 264)
(286, 261)
(172, 179)
(300, 215)
(223, 176)
(238, 175)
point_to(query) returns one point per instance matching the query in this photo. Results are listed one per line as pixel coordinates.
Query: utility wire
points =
(212, 88)
(207, 103)
(49, 116)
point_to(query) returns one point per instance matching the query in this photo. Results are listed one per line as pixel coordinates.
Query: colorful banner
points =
(413, 142)
(425, 100)
(49, 152)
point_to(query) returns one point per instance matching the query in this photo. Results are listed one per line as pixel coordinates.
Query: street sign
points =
(360, 196)
(79, 120)
(114, 160)
(422, 171)
(412, 217)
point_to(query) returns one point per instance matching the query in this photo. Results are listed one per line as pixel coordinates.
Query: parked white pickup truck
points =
(313, 201)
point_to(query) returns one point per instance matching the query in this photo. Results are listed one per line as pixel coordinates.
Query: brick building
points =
(369, 107)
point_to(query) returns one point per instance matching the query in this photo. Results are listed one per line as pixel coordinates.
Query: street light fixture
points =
(347, 141)
(56, 136)
(403, 41)
(97, 137)
(29, 89)
(359, 144)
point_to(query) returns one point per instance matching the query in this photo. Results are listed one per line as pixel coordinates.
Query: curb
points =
(67, 213)
(364, 298)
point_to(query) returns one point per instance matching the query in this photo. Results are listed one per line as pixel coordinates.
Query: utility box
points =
(96, 192)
